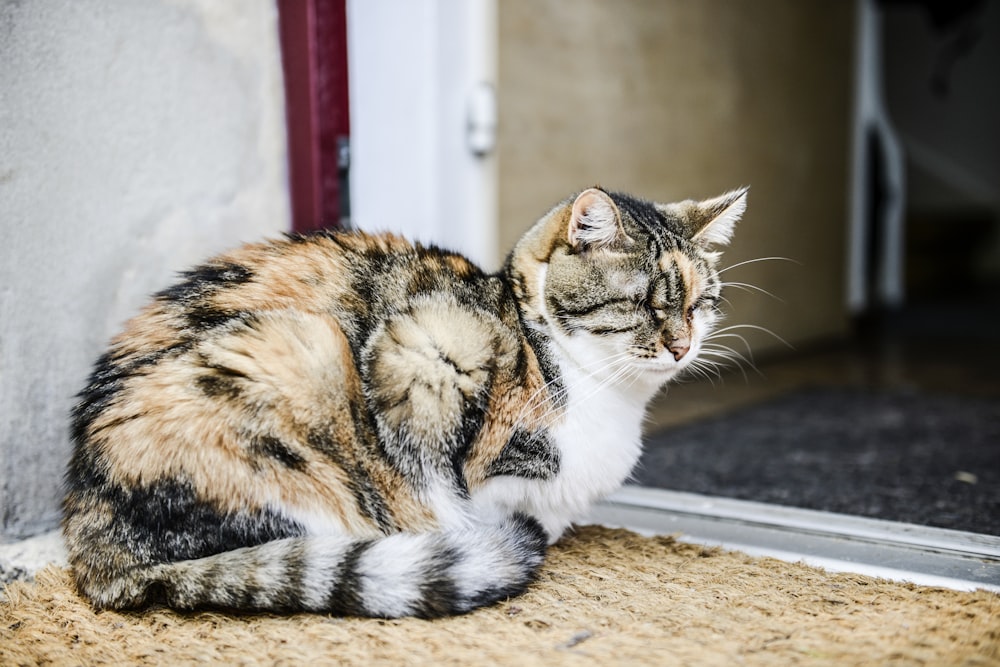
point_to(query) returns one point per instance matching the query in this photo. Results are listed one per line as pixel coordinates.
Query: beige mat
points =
(604, 597)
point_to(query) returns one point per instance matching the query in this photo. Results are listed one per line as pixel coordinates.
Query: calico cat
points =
(350, 423)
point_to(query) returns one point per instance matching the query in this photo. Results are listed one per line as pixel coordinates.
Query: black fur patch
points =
(370, 502)
(219, 380)
(560, 308)
(533, 548)
(289, 596)
(206, 279)
(273, 448)
(106, 383)
(529, 455)
(166, 522)
(609, 331)
(644, 215)
(438, 594)
(550, 371)
(215, 385)
(195, 290)
(203, 317)
(345, 596)
(473, 418)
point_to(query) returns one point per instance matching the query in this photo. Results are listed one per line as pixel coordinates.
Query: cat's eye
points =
(657, 313)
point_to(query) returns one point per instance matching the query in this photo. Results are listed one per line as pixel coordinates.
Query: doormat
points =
(929, 459)
(604, 597)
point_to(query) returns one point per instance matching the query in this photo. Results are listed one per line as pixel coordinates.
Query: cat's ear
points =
(595, 222)
(711, 222)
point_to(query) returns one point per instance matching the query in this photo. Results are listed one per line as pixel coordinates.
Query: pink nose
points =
(679, 347)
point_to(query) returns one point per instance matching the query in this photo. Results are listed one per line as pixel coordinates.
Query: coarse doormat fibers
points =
(604, 597)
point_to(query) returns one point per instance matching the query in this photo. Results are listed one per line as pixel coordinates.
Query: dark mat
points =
(903, 456)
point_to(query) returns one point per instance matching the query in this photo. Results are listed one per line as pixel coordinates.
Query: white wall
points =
(413, 66)
(135, 139)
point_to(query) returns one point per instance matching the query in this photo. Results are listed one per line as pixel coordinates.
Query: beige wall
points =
(671, 99)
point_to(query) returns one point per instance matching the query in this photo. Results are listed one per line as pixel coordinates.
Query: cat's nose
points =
(679, 347)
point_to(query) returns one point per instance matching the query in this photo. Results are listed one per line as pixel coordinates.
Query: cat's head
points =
(624, 285)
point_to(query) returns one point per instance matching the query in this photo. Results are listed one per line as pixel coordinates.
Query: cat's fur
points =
(351, 423)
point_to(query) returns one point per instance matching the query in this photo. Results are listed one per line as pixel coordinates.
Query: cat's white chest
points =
(599, 442)
(598, 439)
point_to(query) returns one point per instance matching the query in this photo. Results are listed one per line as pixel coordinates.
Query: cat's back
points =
(270, 377)
(353, 279)
(333, 272)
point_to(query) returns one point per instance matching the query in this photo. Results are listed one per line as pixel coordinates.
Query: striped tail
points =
(405, 574)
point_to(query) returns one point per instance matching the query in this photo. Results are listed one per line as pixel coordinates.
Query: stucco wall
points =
(135, 139)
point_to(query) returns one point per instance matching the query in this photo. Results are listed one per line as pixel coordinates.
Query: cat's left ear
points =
(711, 222)
(594, 221)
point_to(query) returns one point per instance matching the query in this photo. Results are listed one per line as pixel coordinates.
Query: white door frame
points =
(418, 70)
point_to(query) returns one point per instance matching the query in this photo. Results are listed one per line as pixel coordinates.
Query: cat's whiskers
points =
(756, 328)
(737, 358)
(636, 374)
(705, 369)
(604, 382)
(538, 398)
(715, 335)
(727, 352)
(759, 259)
(729, 359)
(747, 287)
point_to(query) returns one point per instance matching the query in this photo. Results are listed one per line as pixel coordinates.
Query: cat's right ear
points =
(712, 221)
(595, 222)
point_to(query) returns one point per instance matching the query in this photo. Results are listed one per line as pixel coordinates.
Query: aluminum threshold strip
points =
(836, 542)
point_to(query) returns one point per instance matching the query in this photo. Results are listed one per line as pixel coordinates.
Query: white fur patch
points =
(323, 556)
(599, 435)
(441, 497)
(315, 522)
(391, 573)
(487, 555)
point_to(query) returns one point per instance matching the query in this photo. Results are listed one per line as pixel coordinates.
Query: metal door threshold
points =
(836, 542)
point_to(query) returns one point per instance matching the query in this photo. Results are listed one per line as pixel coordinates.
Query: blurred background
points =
(139, 137)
